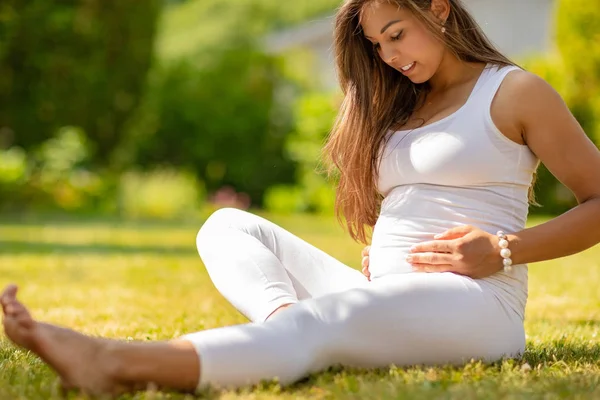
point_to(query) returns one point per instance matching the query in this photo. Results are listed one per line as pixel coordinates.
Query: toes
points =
(9, 309)
(8, 295)
(14, 308)
(25, 321)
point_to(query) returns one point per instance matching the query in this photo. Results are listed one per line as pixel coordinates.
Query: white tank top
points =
(456, 171)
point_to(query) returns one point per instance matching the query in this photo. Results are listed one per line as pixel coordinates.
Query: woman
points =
(448, 133)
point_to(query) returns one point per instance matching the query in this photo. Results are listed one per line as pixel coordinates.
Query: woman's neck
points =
(453, 72)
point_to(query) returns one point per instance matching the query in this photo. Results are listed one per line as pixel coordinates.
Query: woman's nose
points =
(389, 55)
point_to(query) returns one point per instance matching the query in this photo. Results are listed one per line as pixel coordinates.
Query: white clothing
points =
(460, 170)
(340, 317)
(456, 171)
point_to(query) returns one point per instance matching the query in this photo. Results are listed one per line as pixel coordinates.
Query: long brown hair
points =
(377, 98)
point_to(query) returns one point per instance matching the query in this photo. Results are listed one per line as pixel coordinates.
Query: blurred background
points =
(170, 109)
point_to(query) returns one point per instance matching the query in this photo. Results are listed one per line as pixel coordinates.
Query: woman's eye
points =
(376, 46)
(394, 38)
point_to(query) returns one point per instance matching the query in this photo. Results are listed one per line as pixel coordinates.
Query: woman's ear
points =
(440, 9)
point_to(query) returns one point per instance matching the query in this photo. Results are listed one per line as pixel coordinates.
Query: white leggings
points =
(340, 317)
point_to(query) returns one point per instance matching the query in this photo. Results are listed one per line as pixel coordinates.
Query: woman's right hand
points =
(365, 262)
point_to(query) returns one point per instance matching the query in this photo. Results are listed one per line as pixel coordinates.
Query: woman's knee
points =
(214, 231)
(216, 223)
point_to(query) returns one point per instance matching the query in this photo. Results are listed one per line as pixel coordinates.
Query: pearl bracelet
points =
(504, 251)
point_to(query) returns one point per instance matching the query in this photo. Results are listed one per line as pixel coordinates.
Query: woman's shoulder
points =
(520, 85)
(519, 89)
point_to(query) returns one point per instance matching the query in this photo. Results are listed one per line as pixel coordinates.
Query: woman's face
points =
(402, 41)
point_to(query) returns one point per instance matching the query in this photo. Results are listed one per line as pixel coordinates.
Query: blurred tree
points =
(578, 40)
(197, 25)
(220, 118)
(73, 63)
(315, 115)
(215, 104)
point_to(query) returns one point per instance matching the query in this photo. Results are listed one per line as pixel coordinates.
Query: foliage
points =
(198, 25)
(13, 166)
(220, 121)
(102, 87)
(314, 116)
(285, 199)
(72, 63)
(54, 174)
(578, 40)
(216, 107)
(162, 193)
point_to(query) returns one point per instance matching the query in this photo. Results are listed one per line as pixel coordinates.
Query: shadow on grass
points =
(18, 247)
(547, 356)
(68, 220)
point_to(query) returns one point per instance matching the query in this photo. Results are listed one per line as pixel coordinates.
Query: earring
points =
(443, 29)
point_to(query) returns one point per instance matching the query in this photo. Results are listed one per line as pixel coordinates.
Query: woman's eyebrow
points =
(386, 26)
(389, 24)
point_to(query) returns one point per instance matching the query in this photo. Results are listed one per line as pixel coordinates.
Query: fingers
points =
(365, 251)
(436, 246)
(365, 267)
(454, 233)
(433, 268)
(430, 258)
(366, 273)
(365, 262)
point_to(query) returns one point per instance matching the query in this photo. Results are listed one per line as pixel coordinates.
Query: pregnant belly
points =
(392, 239)
(389, 248)
(416, 213)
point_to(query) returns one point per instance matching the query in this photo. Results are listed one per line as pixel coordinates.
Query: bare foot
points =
(81, 361)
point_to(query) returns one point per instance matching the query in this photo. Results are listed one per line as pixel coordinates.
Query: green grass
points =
(146, 282)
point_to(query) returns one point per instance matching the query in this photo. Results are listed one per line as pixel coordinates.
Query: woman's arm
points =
(555, 136)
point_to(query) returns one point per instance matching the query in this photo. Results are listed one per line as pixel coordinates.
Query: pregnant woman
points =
(435, 148)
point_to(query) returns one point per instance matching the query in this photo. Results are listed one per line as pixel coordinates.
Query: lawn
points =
(146, 282)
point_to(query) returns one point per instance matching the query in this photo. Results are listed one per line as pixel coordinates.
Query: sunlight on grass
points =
(146, 282)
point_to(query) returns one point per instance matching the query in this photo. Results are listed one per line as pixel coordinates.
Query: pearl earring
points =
(443, 29)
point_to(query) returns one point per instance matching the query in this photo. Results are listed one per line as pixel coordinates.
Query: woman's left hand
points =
(464, 250)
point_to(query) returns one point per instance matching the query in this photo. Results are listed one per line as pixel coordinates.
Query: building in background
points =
(516, 27)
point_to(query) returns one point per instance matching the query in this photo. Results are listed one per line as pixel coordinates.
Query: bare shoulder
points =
(519, 79)
(524, 87)
(521, 95)
(552, 132)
